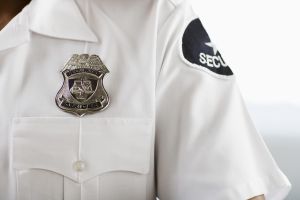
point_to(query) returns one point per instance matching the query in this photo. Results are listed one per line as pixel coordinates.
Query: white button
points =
(79, 166)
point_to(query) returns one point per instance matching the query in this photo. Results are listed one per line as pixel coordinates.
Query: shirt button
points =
(79, 166)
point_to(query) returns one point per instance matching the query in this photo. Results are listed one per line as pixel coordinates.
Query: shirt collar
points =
(15, 32)
(54, 18)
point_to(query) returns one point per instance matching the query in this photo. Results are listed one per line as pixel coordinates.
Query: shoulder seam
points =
(175, 3)
(171, 2)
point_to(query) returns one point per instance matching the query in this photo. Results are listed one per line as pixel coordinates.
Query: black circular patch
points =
(198, 49)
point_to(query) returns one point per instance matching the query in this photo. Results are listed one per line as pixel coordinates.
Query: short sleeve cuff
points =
(274, 187)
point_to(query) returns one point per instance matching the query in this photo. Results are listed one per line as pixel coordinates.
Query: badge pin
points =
(82, 91)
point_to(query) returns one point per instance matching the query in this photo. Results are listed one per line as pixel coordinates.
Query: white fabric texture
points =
(173, 130)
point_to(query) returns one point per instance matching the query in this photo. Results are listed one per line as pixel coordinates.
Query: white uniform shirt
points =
(176, 126)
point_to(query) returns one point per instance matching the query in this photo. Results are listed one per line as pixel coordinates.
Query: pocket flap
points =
(103, 144)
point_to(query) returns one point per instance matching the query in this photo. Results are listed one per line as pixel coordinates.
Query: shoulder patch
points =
(198, 49)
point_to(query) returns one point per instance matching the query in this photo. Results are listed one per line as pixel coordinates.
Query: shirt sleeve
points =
(207, 146)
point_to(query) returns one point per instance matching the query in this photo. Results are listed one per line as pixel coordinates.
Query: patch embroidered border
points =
(199, 52)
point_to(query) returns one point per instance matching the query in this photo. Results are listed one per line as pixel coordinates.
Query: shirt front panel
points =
(40, 143)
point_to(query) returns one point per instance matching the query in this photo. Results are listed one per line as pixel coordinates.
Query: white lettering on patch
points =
(212, 61)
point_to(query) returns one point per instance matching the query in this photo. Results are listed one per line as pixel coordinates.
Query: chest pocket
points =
(61, 158)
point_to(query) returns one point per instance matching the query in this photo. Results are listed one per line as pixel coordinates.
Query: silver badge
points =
(83, 91)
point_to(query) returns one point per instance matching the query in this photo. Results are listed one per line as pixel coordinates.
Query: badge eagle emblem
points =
(82, 91)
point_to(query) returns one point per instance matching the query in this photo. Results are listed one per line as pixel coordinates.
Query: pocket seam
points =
(143, 122)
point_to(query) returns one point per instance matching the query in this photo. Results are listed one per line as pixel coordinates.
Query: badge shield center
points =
(82, 87)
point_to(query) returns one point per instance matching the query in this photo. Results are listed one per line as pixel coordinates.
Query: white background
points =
(259, 40)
